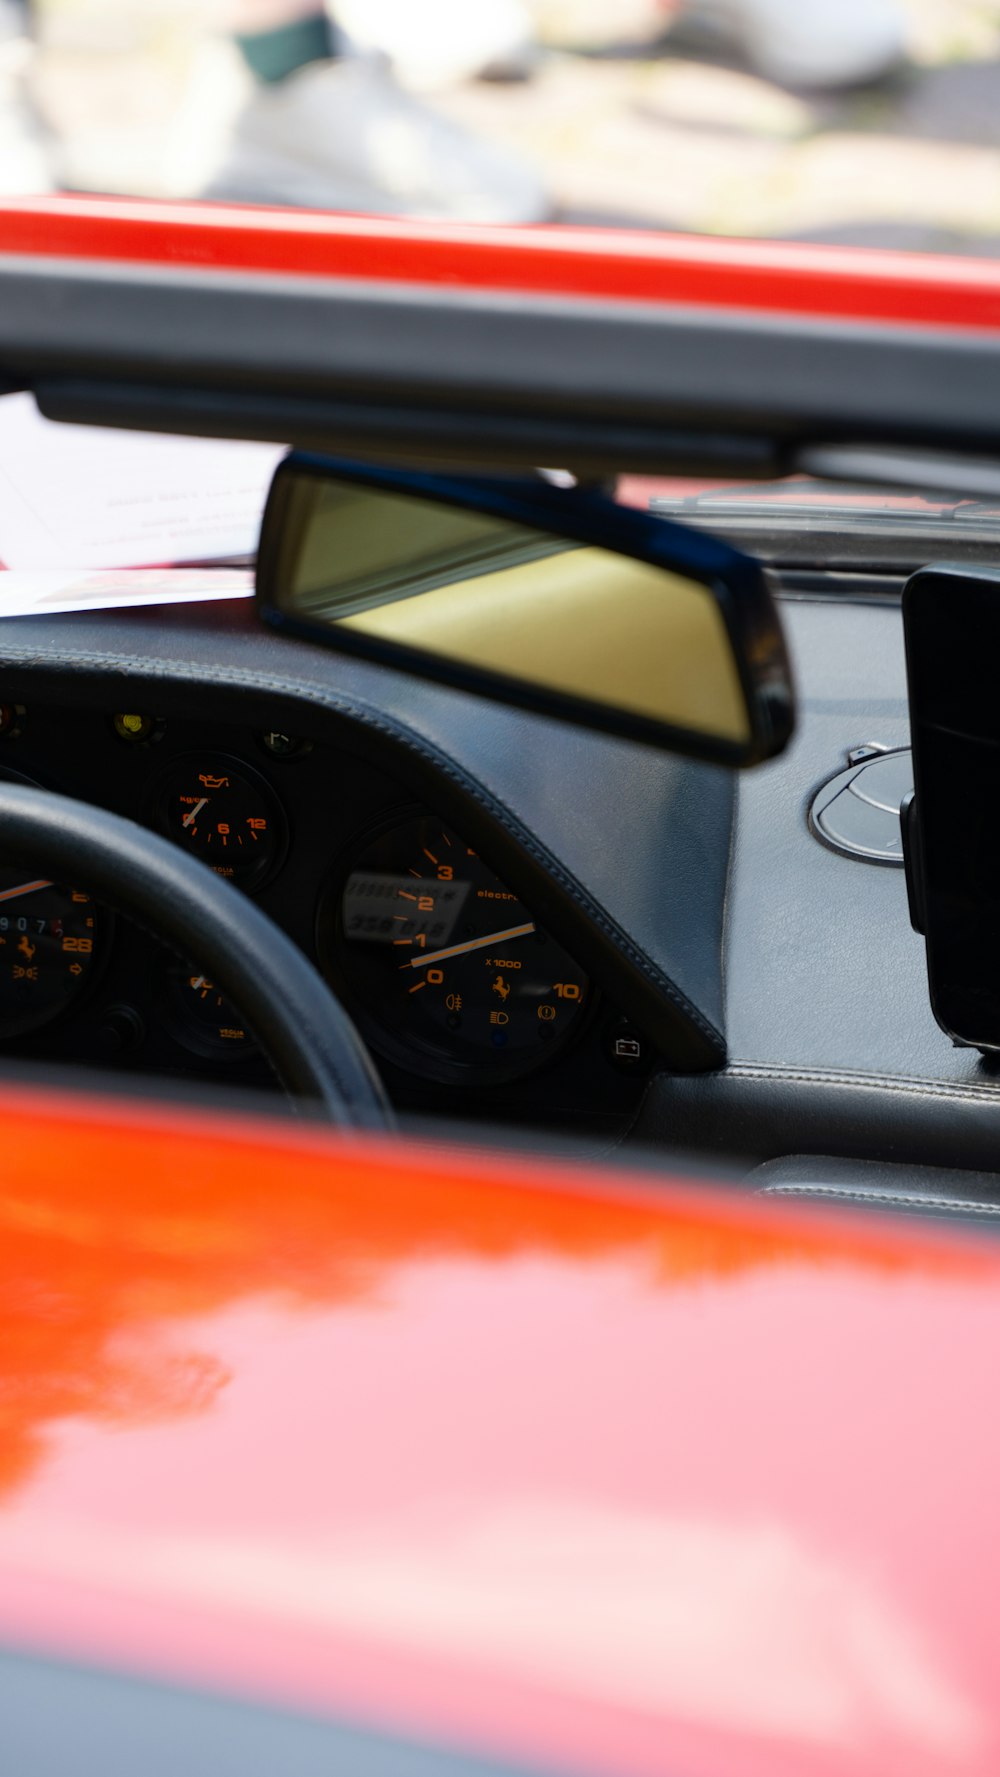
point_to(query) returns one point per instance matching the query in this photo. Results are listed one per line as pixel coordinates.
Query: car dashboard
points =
(471, 1006)
(636, 950)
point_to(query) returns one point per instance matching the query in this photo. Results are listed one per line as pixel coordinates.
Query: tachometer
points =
(446, 969)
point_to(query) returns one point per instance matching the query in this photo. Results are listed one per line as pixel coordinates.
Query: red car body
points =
(576, 1469)
(580, 1470)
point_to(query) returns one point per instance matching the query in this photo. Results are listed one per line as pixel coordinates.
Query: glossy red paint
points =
(556, 1463)
(852, 284)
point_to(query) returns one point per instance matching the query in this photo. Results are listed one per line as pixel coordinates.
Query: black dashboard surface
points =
(832, 1045)
(775, 987)
(308, 807)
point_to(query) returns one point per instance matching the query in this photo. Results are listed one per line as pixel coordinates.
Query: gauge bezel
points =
(410, 1056)
(104, 930)
(182, 1024)
(13, 1028)
(157, 803)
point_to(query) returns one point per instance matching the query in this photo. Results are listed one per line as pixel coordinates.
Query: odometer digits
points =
(446, 969)
(48, 948)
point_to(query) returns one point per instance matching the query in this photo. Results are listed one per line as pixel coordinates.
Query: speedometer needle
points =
(438, 956)
(23, 888)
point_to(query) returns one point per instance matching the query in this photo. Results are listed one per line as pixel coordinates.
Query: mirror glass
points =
(494, 597)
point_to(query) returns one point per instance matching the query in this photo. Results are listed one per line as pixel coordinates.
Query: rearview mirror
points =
(551, 598)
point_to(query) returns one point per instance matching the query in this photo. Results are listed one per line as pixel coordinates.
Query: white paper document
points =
(83, 497)
(27, 594)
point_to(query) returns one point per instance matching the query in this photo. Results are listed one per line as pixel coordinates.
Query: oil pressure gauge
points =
(223, 812)
(446, 970)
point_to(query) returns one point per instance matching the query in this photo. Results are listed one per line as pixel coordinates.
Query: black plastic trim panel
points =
(612, 381)
(59, 1718)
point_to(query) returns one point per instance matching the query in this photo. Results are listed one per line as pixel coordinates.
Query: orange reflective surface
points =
(563, 1466)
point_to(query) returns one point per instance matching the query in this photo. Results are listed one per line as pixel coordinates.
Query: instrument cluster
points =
(457, 986)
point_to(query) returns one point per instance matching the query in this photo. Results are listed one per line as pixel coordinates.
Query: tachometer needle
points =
(23, 888)
(438, 956)
(195, 812)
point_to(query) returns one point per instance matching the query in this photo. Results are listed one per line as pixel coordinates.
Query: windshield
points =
(803, 521)
(92, 517)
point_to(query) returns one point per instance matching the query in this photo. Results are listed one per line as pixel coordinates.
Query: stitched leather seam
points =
(953, 1205)
(367, 716)
(869, 1083)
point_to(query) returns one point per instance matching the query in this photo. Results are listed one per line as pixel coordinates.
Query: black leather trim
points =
(912, 1190)
(648, 832)
(761, 1112)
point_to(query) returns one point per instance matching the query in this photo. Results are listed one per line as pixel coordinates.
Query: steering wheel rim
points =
(302, 1029)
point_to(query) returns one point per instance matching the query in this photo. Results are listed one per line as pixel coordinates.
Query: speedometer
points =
(446, 969)
(48, 948)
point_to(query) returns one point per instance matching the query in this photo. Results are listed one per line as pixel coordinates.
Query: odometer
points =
(48, 949)
(446, 969)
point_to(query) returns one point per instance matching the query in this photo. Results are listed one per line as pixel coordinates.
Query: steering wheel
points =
(301, 1028)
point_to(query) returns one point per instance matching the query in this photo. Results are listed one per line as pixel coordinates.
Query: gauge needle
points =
(438, 956)
(23, 888)
(195, 812)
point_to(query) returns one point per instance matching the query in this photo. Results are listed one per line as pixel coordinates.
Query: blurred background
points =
(868, 121)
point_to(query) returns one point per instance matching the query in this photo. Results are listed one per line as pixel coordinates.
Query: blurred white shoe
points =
(812, 43)
(341, 135)
(433, 43)
(137, 96)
